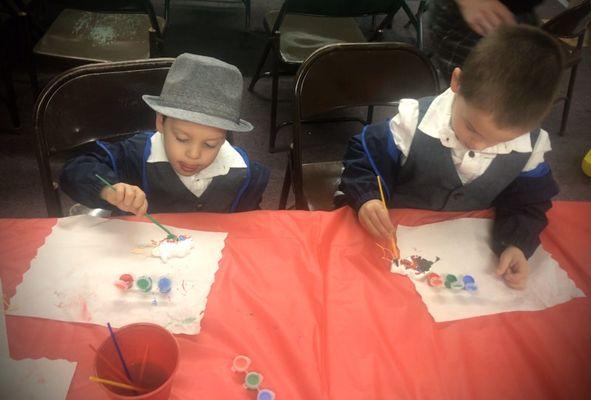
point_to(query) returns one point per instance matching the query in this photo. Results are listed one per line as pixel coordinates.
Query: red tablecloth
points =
(306, 296)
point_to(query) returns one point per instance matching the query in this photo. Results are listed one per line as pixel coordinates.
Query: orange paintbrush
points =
(395, 252)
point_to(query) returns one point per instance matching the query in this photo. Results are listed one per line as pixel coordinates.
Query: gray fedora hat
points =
(203, 90)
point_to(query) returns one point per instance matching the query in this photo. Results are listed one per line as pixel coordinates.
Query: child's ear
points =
(159, 123)
(454, 84)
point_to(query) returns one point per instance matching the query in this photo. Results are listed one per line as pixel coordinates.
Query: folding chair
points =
(572, 23)
(303, 26)
(344, 76)
(90, 31)
(94, 101)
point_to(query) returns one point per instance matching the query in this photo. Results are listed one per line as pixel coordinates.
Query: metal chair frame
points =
(572, 23)
(280, 67)
(304, 113)
(115, 110)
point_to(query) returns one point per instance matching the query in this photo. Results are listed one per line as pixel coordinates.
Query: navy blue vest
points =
(429, 180)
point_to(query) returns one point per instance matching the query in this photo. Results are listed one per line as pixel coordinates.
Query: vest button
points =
(199, 205)
(457, 195)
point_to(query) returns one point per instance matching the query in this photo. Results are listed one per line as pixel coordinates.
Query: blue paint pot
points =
(164, 284)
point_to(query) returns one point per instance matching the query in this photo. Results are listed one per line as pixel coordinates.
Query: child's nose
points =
(194, 152)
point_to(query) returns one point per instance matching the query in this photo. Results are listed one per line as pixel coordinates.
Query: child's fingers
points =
(515, 280)
(369, 226)
(143, 209)
(386, 221)
(377, 221)
(139, 199)
(129, 197)
(505, 261)
(113, 196)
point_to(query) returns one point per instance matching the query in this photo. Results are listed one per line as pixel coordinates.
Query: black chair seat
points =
(321, 181)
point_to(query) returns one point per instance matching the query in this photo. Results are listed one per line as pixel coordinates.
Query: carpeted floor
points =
(219, 32)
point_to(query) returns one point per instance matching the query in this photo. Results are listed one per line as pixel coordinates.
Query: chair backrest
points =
(351, 75)
(572, 22)
(341, 8)
(338, 8)
(95, 101)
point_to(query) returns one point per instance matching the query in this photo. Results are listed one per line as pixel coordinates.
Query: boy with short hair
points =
(187, 164)
(477, 145)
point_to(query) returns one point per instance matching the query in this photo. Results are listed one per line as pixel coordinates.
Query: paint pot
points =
(164, 284)
(159, 368)
(240, 363)
(253, 380)
(470, 283)
(266, 394)
(144, 283)
(434, 280)
(125, 282)
(457, 285)
(449, 279)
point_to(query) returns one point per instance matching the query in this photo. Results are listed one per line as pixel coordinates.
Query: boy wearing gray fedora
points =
(186, 164)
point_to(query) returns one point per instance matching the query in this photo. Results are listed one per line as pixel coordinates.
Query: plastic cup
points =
(240, 363)
(265, 394)
(161, 361)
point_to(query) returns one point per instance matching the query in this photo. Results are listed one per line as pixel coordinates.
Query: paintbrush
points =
(116, 384)
(395, 252)
(170, 234)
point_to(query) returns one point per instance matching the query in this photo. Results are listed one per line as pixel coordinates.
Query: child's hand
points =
(484, 16)
(514, 268)
(374, 217)
(126, 198)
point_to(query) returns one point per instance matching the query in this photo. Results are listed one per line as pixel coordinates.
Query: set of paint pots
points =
(144, 283)
(252, 379)
(453, 282)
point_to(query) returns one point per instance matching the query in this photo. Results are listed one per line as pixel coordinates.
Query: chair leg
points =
(285, 188)
(274, 102)
(260, 66)
(420, 38)
(369, 114)
(416, 21)
(247, 14)
(567, 100)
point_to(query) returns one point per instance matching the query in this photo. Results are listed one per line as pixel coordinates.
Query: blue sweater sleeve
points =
(371, 153)
(520, 211)
(116, 162)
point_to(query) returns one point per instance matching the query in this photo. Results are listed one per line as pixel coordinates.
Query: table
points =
(307, 297)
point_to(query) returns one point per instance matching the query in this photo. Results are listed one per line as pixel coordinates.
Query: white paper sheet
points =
(463, 246)
(4, 352)
(72, 278)
(41, 379)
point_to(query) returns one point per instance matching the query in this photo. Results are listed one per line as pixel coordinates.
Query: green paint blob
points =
(449, 279)
(144, 283)
(253, 380)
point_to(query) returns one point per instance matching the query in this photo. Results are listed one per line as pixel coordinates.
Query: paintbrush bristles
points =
(395, 252)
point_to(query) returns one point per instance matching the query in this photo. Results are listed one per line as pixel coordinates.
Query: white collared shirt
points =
(470, 164)
(227, 158)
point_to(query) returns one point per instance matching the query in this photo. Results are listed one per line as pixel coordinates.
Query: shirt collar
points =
(227, 158)
(437, 123)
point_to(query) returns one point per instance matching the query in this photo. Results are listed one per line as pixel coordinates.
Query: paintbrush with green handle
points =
(170, 234)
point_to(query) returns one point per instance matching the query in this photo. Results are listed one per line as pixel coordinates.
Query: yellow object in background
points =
(586, 164)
